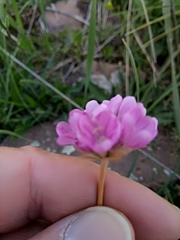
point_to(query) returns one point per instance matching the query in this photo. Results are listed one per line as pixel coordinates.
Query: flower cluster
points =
(120, 122)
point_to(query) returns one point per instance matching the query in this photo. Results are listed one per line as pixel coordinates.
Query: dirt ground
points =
(145, 170)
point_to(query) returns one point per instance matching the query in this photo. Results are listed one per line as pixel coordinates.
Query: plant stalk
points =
(103, 168)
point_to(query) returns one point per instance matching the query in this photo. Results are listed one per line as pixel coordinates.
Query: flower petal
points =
(142, 108)
(91, 106)
(114, 104)
(65, 133)
(127, 104)
(142, 133)
(129, 122)
(103, 146)
(111, 127)
(81, 146)
(106, 102)
(107, 132)
(102, 107)
(74, 116)
(140, 140)
(85, 131)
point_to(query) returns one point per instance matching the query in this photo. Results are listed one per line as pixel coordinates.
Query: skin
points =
(35, 184)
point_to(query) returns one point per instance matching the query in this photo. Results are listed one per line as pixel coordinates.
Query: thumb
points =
(93, 223)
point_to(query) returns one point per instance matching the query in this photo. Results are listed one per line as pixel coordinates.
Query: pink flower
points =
(98, 133)
(138, 130)
(110, 125)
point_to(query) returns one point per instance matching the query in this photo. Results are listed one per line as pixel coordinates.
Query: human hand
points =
(35, 184)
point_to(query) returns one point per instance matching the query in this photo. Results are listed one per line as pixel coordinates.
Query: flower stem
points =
(103, 167)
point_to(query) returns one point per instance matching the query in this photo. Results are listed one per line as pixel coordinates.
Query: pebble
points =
(133, 177)
(166, 172)
(155, 170)
(68, 150)
(48, 149)
(149, 149)
(141, 178)
(35, 143)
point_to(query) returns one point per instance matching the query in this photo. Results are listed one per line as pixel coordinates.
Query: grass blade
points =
(91, 44)
(170, 41)
(156, 20)
(134, 160)
(18, 17)
(128, 43)
(134, 68)
(13, 134)
(39, 78)
(153, 52)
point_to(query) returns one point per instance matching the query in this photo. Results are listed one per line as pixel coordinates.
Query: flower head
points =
(118, 123)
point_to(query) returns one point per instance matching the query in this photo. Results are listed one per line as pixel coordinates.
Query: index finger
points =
(36, 184)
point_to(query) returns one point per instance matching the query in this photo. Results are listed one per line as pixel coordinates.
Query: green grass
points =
(145, 40)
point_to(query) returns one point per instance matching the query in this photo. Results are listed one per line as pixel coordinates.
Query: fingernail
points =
(97, 223)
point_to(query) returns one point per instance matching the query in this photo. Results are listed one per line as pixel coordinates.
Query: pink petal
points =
(75, 114)
(141, 134)
(74, 117)
(65, 133)
(63, 128)
(129, 122)
(101, 108)
(142, 108)
(147, 123)
(100, 135)
(114, 104)
(111, 127)
(140, 140)
(106, 102)
(85, 130)
(91, 106)
(62, 141)
(82, 146)
(106, 132)
(127, 104)
(103, 146)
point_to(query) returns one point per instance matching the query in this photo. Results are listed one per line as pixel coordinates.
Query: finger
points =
(37, 184)
(52, 186)
(91, 224)
(26, 232)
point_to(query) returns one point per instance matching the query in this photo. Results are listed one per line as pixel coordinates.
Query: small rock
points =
(166, 172)
(133, 177)
(48, 149)
(35, 143)
(141, 178)
(68, 150)
(58, 22)
(155, 170)
(149, 149)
